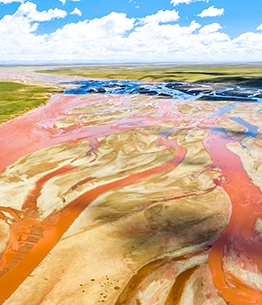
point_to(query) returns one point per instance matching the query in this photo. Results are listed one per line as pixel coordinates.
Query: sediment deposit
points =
(151, 196)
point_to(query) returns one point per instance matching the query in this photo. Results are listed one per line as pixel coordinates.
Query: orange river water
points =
(31, 238)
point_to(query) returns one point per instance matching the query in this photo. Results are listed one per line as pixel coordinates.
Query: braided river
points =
(128, 192)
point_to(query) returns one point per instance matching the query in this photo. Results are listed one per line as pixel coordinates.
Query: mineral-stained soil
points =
(132, 199)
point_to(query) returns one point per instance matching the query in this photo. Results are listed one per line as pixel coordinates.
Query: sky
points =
(130, 31)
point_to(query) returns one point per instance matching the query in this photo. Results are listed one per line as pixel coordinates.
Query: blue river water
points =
(167, 89)
(230, 96)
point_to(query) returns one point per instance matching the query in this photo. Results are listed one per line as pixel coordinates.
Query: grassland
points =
(17, 98)
(234, 74)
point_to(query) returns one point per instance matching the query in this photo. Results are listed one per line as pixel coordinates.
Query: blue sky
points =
(130, 30)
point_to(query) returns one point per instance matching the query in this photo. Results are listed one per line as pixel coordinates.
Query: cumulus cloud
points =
(64, 1)
(28, 9)
(10, 1)
(115, 37)
(212, 12)
(76, 11)
(177, 2)
(161, 16)
(210, 28)
(259, 27)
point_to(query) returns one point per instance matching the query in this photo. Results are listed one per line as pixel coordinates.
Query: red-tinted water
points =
(239, 235)
(31, 239)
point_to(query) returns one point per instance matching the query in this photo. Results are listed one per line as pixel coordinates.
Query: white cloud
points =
(177, 2)
(161, 16)
(259, 27)
(10, 1)
(76, 11)
(117, 38)
(210, 28)
(212, 12)
(28, 9)
(64, 1)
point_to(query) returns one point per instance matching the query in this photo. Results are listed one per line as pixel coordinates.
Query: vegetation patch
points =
(17, 98)
(233, 74)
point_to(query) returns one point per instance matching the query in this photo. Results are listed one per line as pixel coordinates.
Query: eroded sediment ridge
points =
(164, 192)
